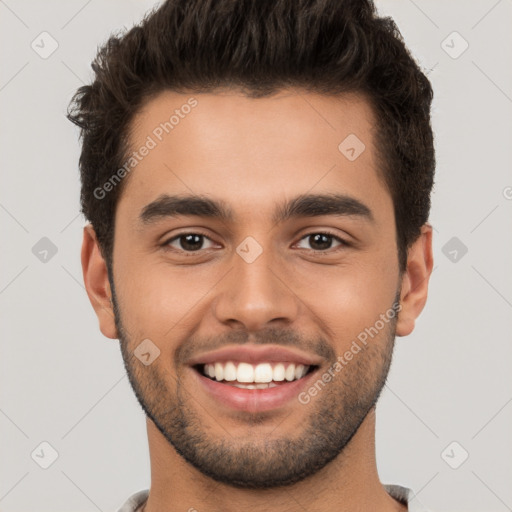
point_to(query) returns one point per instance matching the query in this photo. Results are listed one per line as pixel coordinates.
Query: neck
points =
(348, 483)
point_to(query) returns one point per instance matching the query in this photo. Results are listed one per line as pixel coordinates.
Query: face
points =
(246, 227)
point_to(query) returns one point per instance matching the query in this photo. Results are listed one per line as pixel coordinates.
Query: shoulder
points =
(406, 496)
(135, 501)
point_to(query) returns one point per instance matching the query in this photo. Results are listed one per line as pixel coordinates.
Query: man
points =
(257, 178)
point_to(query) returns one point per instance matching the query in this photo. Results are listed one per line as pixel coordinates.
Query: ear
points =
(414, 290)
(96, 282)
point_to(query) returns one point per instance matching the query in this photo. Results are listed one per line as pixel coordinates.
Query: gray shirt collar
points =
(401, 494)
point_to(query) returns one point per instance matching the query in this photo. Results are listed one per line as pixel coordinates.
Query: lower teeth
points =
(259, 385)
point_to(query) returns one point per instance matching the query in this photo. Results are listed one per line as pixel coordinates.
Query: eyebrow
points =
(306, 205)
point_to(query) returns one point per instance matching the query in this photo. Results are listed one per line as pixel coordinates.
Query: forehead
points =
(252, 152)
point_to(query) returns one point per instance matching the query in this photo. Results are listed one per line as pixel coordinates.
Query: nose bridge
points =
(253, 293)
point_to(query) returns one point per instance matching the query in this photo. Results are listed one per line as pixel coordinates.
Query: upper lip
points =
(257, 354)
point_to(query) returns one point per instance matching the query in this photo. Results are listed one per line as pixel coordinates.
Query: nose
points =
(256, 294)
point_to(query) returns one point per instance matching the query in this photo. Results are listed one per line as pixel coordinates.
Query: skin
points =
(254, 154)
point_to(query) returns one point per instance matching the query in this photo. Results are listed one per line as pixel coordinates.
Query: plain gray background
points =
(64, 384)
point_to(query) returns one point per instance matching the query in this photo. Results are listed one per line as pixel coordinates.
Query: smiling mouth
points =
(244, 375)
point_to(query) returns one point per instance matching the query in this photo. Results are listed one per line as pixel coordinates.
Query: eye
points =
(322, 241)
(188, 242)
(195, 242)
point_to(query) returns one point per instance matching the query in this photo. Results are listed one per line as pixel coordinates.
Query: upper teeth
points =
(263, 372)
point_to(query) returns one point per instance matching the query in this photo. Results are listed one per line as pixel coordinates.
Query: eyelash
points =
(343, 243)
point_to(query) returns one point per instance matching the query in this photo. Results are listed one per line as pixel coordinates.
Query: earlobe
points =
(414, 291)
(96, 282)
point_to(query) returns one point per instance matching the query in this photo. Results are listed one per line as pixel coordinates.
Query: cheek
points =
(346, 299)
(156, 299)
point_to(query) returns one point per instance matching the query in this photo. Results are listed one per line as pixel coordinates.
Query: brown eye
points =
(188, 242)
(322, 241)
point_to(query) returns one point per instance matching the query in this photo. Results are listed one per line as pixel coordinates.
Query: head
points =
(304, 126)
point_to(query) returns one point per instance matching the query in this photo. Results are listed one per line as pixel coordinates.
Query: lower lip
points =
(254, 400)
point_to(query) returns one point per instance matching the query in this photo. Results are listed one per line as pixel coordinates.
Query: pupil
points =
(192, 242)
(321, 240)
